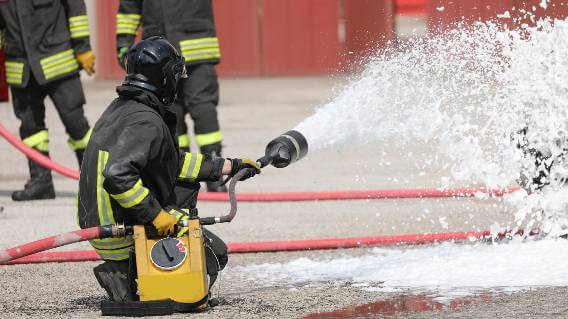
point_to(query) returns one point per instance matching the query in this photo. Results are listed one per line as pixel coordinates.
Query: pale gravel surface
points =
(252, 112)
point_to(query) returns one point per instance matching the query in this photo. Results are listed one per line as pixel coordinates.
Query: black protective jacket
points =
(41, 37)
(188, 24)
(132, 163)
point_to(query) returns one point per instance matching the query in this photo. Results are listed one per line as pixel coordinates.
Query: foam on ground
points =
(447, 267)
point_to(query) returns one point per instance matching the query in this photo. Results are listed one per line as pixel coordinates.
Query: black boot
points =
(214, 150)
(114, 278)
(39, 186)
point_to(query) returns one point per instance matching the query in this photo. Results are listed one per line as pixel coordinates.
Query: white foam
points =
(445, 267)
(465, 93)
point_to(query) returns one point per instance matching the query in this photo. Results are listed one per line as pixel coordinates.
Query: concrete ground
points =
(252, 112)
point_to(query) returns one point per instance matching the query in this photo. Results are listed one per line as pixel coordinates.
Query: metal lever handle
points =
(232, 200)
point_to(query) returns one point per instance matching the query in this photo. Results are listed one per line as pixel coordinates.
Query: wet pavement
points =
(405, 304)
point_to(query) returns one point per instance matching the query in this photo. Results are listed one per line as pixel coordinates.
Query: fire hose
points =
(32, 253)
(281, 197)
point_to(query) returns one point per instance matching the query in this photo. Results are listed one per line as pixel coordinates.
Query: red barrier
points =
(238, 31)
(299, 36)
(278, 246)
(411, 7)
(369, 26)
(444, 13)
(107, 63)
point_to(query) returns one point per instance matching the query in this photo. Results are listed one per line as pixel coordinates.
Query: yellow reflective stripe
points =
(200, 49)
(131, 31)
(56, 57)
(78, 19)
(112, 243)
(128, 17)
(79, 26)
(127, 23)
(61, 68)
(80, 34)
(180, 216)
(58, 64)
(114, 254)
(177, 214)
(189, 57)
(14, 66)
(198, 41)
(133, 196)
(61, 71)
(183, 140)
(14, 72)
(191, 166)
(39, 141)
(209, 138)
(82, 143)
(106, 216)
(200, 46)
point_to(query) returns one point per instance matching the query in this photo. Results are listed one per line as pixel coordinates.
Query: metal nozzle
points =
(284, 150)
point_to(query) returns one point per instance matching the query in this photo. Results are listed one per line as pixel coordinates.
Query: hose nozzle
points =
(285, 150)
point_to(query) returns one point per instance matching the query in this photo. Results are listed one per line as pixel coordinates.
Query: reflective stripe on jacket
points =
(188, 24)
(41, 37)
(132, 163)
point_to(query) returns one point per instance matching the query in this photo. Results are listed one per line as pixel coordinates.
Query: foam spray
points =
(467, 93)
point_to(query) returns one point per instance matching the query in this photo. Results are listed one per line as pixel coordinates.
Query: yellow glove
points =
(164, 223)
(87, 61)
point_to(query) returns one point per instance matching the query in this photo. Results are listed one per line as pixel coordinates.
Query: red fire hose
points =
(363, 194)
(279, 197)
(30, 253)
(49, 243)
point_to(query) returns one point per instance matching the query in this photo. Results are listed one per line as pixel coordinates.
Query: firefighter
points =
(46, 44)
(133, 171)
(189, 25)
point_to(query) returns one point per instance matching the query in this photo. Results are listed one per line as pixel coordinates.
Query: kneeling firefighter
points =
(134, 173)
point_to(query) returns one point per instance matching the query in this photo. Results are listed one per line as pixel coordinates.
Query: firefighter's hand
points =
(87, 61)
(164, 223)
(121, 55)
(238, 164)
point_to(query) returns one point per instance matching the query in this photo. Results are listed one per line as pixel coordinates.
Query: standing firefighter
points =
(46, 44)
(189, 26)
(134, 172)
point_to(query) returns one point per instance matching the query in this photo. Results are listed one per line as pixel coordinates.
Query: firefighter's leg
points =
(114, 278)
(68, 97)
(117, 274)
(216, 255)
(181, 128)
(201, 96)
(30, 110)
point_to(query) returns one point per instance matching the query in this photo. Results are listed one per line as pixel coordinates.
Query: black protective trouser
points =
(68, 97)
(198, 95)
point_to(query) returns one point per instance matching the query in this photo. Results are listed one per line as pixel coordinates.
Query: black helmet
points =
(155, 65)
